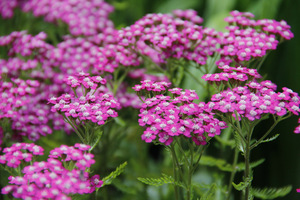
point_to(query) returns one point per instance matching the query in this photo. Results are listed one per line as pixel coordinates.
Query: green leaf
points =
(271, 193)
(241, 166)
(239, 142)
(96, 139)
(108, 179)
(216, 162)
(209, 195)
(242, 185)
(270, 139)
(165, 179)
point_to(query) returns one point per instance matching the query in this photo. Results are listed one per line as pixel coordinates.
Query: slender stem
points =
(190, 171)
(247, 168)
(200, 152)
(182, 151)
(235, 159)
(261, 62)
(248, 172)
(175, 169)
(266, 134)
(75, 129)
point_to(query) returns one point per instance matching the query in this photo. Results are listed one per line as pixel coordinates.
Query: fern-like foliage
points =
(108, 179)
(165, 179)
(242, 185)
(271, 193)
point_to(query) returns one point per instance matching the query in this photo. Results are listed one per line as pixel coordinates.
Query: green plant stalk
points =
(247, 172)
(232, 175)
(190, 171)
(175, 170)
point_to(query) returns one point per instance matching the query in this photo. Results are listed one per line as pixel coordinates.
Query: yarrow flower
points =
(18, 153)
(90, 106)
(160, 37)
(51, 179)
(250, 98)
(165, 118)
(248, 39)
(83, 17)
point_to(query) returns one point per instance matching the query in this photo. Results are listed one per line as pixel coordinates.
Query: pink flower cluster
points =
(248, 39)
(159, 37)
(14, 95)
(250, 98)
(97, 108)
(78, 54)
(165, 117)
(84, 17)
(20, 153)
(51, 179)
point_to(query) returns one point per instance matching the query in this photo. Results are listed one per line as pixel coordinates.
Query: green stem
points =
(175, 170)
(190, 171)
(267, 133)
(75, 129)
(247, 172)
(235, 159)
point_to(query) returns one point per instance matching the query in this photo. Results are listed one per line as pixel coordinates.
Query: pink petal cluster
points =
(249, 97)
(91, 106)
(84, 17)
(159, 37)
(248, 39)
(19, 153)
(51, 179)
(165, 118)
(78, 54)
(14, 95)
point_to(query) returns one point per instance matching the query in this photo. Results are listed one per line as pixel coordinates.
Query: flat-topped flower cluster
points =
(167, 117)
(51, 178)
(247, 96)
(248, 39)
(84, 17)
(90, 106)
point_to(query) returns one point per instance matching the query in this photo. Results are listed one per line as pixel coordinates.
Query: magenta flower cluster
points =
(50, 179)
(165, 118)
(90, 106)
(23, 101)
(159, 37)
(20, 153)
(248, 97)
(84, 17)
(248, 39)
(14, 95)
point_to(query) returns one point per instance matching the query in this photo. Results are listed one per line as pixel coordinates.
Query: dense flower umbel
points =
(84, 17)
(91, 106)
(51, 179)
(159, 37)
(18, 153)
(15, 95)
(165, 117)
(248, 39)
(248, 97)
